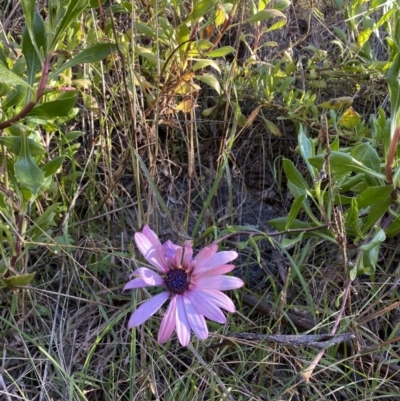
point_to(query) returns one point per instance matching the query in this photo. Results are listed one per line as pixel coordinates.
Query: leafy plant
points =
(37, 99)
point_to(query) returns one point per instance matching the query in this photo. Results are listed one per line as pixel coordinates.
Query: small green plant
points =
(37, 100)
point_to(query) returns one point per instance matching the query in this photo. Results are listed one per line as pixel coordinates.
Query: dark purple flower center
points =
(177, 281)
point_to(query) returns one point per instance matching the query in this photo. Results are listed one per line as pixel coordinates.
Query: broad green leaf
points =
(92, 54)
(282, 5)
(19, 281)
(96, 3)
(206, 63)
(73, 11)
(294, 210)
(343, 164)
(9, 78)
(272, 127)
(28, 7)
(367, 155)
(30, 49)
(306, 150)
(210, 80)
(27, 171)
(369, 261)
(278, 25)
(221, 52)
(53, 165)
(394, 228)
(342, 36)
(375, 213)
(14, 98)
(265, 15)
(377, 239)
(288, 242)
(71, 136)
(13, 145)
(294, 175)
(145, 29)
(200, 9)
(373, 195)
(43, 222)
(351, 219)
(183, 34)
(59, 107)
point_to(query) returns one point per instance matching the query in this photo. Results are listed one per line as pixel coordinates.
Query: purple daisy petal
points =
(196, 320)
(148, 309)
(215, 271)
(219, 299)
(173, 253)
(168, 323)
(149, 276)
(150, 252)
(218, 259)
(152, 236)
(221, 283)
(206, 253)
(188, 253)
(204, 306)
(136, 283)
(182, 323)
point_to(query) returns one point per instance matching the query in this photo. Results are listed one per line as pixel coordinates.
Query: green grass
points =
(139, 159)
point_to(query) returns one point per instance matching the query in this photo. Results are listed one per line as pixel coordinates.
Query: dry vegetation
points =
(199, 154)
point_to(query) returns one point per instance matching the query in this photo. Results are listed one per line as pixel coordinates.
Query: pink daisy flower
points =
(194, 286)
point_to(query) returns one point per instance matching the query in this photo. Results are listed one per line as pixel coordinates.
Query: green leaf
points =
(28, 7)
(206, 63)
(13, 144)
(27, 171)
(294, 210)
(306, 150)
(145, 30)
(374, 195)
(73, 10)
(200, 9)
(282, 5)
(272, 127)
(294, 175)
(394, 228)
(265, 15)
(183, 34)
(221, 52)
(210, 80)
(52, 166)
(59, 107)
(375, 213)
(343, 164)
(288, 242)
(351, 219)
(19, 281)
(377, 239)
(367, 155)
(9, 78)
(96, 3)
(43, 222)
(14, 98)
(30, 49)
(92, 54)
